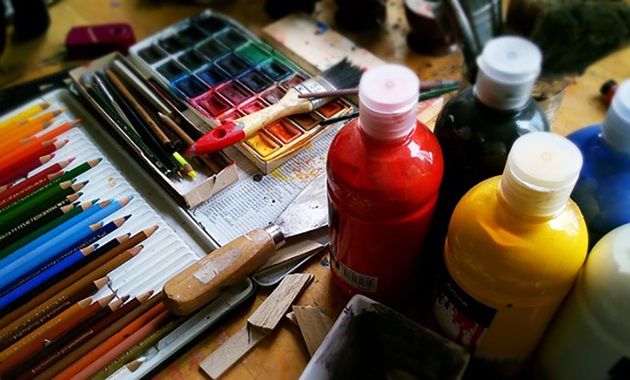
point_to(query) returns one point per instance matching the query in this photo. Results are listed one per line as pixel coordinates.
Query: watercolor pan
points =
(221, 69)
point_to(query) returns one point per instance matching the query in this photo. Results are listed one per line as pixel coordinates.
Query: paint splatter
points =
(325, 263)
(114, 4)
(321, 28)
(321, 309)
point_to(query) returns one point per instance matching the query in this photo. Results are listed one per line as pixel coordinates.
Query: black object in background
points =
(30, 18)
(279, 8)
(14, 96)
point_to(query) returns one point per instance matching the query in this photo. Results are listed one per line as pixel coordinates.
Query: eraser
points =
(92, 41)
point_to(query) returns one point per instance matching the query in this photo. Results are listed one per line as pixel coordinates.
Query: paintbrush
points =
(424, 86)
(341, 75)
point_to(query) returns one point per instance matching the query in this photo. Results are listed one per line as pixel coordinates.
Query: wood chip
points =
(258, 326)
(313, 324)
(229, 353)
(271, 311)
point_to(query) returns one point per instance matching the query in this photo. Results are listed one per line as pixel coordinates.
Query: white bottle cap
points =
(616, 126)
(541, 171)
(388, 101)
(508, 69)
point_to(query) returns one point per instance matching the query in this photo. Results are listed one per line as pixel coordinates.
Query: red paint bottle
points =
(384, 172)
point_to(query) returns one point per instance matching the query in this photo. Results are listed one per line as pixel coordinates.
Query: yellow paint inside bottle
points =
(512, 254)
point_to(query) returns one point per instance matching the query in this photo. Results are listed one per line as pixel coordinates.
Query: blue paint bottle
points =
(603, 189)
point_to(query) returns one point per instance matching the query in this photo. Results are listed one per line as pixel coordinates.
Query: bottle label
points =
(357, 280)
(353, 278)
(621, 370)
(462, 318)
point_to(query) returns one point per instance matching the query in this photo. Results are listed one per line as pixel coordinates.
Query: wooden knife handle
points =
(206, 279)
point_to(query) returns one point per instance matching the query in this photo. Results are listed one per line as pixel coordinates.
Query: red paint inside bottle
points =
(381, 200)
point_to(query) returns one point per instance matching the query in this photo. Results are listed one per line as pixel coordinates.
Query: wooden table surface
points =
(283, 355)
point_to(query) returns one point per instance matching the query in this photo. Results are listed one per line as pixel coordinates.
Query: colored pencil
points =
(4, 188)
(65, 260)
(29, 166)
(69, 175)
(144, 124)
(66, 234)
(38, 148)
(28, 206)
(31, 262)
(37, 184)
(26, 130)
(41, 224)
(50, 308)
(99, 90)
(54, 233)
(28, 345)
(89, 278)
(101, 263)
(32, 182)
(188, 141)
(103, 330)
(56, 350)
(12, 129)
(25, 154)
(138, 344)
(52, 331)
(34, 110)
(26, 284)
(108, 363)
(52, 132)
(85, 363)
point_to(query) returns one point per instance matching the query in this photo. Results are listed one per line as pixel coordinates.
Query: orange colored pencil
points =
(87, 360)
(53, 132)
(45, 357)
(28, 166)
(26, 346)
(24, 155)
(124, 316)
(46, 311)
(11, 144)
(10, 130)
(27, 129)
(126, 243)
(126, 343)
(29, 112)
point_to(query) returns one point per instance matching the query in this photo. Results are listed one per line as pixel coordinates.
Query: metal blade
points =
(308, 211)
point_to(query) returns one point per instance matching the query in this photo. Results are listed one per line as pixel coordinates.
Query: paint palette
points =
(224, 72)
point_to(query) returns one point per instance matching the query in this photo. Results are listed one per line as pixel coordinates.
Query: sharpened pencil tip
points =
(149, 231)
(126, 217)
(135, 250)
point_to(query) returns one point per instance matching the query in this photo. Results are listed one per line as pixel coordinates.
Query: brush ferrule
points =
(315, 85)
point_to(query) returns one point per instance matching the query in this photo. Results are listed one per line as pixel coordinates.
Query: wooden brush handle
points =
(230, 133)
(206, 279)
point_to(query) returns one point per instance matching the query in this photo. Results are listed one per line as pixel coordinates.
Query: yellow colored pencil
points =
(31, 111)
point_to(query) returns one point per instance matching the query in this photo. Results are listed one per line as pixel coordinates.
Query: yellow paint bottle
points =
(514, 247)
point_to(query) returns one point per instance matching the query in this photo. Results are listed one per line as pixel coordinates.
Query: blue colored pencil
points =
(42, 239)
(49, 249)
(32, 283)
(83, 243)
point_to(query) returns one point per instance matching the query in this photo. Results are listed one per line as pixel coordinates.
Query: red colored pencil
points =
(26, 154)
(12, 175)
(33, 182)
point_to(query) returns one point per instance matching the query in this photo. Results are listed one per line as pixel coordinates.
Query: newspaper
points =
(256, 200)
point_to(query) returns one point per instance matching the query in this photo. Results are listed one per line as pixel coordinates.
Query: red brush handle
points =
(221, 137)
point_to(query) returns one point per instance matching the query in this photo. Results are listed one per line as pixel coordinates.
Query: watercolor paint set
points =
(223, 72)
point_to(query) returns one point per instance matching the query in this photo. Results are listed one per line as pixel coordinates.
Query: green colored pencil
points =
(67, 176)
(35, 233)
(40, 202)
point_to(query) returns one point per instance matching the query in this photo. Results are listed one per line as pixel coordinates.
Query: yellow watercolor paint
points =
(261, 144)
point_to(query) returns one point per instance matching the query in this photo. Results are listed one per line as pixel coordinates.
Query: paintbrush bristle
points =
(342, 74)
